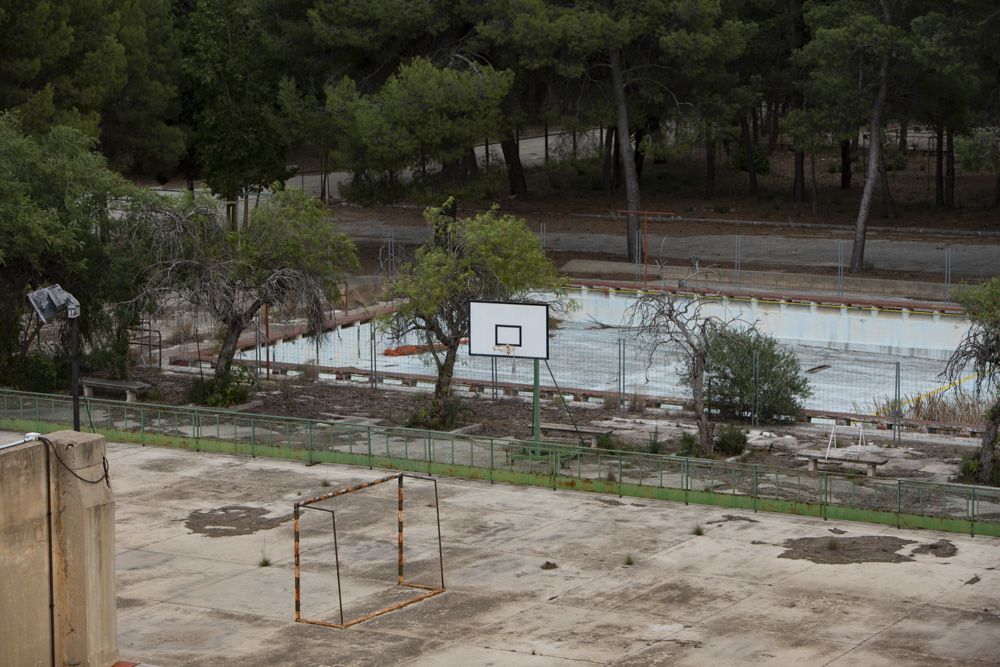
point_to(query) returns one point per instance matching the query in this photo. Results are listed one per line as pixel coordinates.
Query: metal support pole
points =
(75, 348)
(298, 566)
(897, 408)
(755, 416)
(537, 405)
(399, 534)
(437, 511)
(336, 556)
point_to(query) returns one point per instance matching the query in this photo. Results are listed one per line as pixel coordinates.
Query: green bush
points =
(428, 418)
(761, 163)
(775, 392)
(689, 445)
(732, 440)
(221, 392)
(38, 371)
(655, 445)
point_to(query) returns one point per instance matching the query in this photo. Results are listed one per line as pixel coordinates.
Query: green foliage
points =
(731, 441)
(486, 257)
(980, 151)
(233, 389)
(288, 254)
(655, 445)
(452, 411)
(689, 445)
(761, 163)
(237, 137)
(971, 466)
(57, 225)
(780, 385)
(422, 114)
(607, 441)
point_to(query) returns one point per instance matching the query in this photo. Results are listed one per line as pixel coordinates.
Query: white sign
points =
(508, 330)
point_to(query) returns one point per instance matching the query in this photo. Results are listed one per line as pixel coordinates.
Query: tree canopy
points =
(486, 257)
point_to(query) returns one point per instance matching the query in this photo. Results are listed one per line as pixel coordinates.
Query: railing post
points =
(899, 500)
(753, 490)
(491, 460)
(369, 432)
(619, 475)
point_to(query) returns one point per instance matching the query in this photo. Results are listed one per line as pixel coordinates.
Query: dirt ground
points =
(773, 446)
(564, 199)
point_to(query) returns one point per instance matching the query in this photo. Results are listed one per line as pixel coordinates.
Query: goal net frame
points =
(427, 590)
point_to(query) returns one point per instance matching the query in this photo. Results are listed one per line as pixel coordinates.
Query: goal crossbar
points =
(428, 590)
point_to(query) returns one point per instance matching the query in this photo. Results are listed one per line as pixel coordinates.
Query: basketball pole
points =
(537, 404)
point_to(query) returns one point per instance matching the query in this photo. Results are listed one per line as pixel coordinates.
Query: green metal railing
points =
(901, 502)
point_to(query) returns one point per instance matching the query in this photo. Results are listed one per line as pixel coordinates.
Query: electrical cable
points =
(105, 475)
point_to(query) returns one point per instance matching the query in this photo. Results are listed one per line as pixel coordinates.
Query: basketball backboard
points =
(519, 330)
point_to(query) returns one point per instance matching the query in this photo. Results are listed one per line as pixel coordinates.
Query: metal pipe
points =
(336, 556)
(399, 533)
(75, 364)
(29, 437)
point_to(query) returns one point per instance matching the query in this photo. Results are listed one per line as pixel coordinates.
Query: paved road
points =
(967, 259)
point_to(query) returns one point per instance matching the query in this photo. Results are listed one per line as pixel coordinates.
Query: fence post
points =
(368, 430)
(899, 500)
(491, 460)
(619, 475)
(753, 490)
(897, 409)
(972, 513)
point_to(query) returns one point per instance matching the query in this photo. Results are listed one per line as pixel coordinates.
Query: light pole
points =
(49, 302)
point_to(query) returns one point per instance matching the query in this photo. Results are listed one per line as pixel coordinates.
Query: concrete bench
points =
(592, 433)
(842, 456)
(131, 388)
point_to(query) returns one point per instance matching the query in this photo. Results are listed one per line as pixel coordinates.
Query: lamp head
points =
(50, 301)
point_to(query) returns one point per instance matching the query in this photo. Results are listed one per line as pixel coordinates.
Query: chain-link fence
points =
(908, 503)
(883, 365)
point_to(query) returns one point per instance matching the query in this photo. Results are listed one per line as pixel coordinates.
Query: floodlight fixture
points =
(49, 302)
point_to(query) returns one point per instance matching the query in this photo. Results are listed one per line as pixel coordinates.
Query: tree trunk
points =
(224, 360)
(949, 174)
(709, 169)
(755, 124)
(616, 163)
(812, 168)
(845, 164)
(772, 131)
(939, 167)
(471, 162)
(640, 158)
(323, 194)
(902, 146)
(698, 402)
(987, 451)
(799, 182)
(874, 157)
(512, 157)
(748, 156)
(627, 160)
(888, 204)
(442, 388)
(606, 166)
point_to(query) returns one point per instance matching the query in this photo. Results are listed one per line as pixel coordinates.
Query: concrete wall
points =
(83, 573)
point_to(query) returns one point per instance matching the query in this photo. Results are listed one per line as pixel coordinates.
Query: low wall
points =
(81, 579)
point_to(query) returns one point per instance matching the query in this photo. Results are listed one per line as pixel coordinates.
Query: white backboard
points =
(508, 330)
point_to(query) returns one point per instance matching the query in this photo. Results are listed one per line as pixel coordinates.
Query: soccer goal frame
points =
(310, 504)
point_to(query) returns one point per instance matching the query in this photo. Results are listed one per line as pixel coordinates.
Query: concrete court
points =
(723, 598)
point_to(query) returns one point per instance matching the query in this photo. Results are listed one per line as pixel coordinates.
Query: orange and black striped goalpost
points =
(312, 504)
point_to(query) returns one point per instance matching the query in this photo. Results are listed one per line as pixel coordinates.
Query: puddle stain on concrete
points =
(232, 520)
